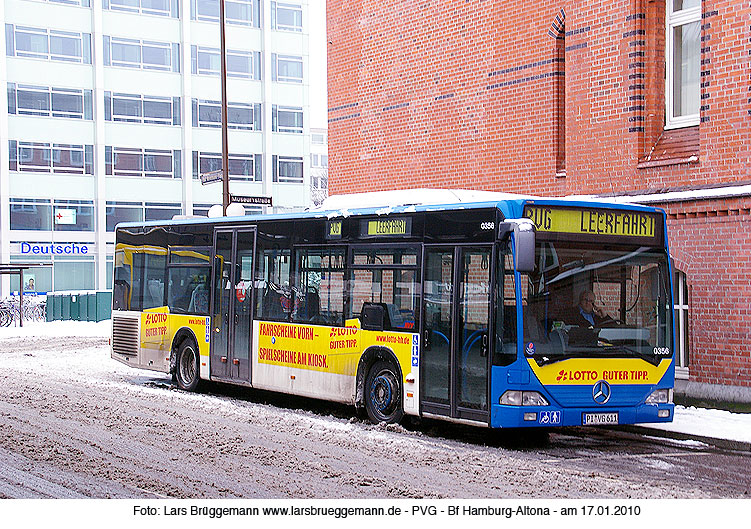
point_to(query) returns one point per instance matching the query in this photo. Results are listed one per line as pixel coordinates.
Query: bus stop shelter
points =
(18, 269)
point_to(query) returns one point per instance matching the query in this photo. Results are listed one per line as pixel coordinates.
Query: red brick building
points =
(646, 99)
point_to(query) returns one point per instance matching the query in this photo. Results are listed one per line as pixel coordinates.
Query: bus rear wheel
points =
(186, 367)
(383, 394)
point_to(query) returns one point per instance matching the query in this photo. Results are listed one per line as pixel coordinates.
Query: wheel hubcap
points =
(383, 393)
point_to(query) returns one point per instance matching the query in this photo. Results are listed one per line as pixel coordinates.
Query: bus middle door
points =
(232, 305)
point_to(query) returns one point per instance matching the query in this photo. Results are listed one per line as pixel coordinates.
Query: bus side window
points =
(275, 299)
(319, 282)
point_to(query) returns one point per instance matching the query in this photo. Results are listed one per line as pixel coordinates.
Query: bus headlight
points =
(660, 396)
(523, 398)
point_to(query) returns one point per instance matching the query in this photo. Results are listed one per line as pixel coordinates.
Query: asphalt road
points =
(74, 423)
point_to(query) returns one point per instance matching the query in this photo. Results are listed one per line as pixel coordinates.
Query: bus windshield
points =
(594, 300)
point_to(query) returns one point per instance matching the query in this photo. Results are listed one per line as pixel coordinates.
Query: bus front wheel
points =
(186, 368)
(383, 394)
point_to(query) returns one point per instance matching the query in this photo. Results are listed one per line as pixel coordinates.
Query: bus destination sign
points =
(591, 221)
(334, 229)
(400, 227)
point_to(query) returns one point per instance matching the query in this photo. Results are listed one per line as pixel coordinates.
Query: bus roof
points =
(405, 201)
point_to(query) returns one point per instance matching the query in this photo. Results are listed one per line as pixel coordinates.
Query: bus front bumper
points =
(551, 416)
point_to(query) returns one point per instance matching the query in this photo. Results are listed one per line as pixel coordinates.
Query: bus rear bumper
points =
(550, 416)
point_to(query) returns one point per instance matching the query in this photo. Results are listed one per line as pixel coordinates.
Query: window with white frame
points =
(286, 119)
(137, 108)
(242, 64)
(319, 160)
(681, 306)
(55, 158)
(162, 8)
(142, 54)
(82, 3)
(241, 116)
(235, 11)
(151, 163)
(286, 68)
(683, 30)
(286, 17)
(28, 100)
(243, 167)
(287, 169)
(48, 44)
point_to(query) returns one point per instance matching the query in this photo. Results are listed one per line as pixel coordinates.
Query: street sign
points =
(257, 201)
(211, 177)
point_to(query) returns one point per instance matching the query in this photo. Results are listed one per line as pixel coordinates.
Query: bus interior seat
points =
(312, 305)
(386, 318)
(272, 306)
(155, 293)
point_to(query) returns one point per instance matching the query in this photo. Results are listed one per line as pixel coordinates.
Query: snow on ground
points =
(58, 328)
(702, 422)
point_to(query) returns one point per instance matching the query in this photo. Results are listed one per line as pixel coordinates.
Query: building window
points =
(242, 64)
(48, 44)
(319, 160)
(286, 119)
(48, 101)
(141, 54)
(73, 215)
(238, 12)
(680, 291)
(30, 214)
(286, 68)
(683, 29)
(162, 8)
(56, 158)
(136, 108)
(286, 17)
(242, 167)
(118, 212)
(162, 210)
(242, 116)
(127, 161)
(287, 169)
(82, 3)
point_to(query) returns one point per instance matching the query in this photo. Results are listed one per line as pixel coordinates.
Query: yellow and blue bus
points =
(515, 312)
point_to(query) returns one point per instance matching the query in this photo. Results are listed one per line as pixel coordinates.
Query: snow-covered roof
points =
(413, 197)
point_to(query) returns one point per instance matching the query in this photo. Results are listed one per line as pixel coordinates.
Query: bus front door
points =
(456, 318)
(232, 304)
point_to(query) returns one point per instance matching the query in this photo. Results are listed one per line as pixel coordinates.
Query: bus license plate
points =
(600, 418)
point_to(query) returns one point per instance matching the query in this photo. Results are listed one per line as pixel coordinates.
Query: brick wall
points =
(479, 94)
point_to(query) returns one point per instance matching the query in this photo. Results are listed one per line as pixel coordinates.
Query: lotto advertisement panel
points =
(579, 371)
(158, 328)
(321, 361)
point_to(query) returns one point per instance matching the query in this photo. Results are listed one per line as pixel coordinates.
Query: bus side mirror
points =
(372, 317)
(524, 237)
(524, 242)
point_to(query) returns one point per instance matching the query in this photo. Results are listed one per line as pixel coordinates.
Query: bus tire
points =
(186, 366)
(383, 394)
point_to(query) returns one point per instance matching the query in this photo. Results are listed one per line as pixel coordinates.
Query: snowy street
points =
(75, 423)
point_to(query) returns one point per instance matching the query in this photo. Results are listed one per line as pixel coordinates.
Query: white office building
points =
(113, 111)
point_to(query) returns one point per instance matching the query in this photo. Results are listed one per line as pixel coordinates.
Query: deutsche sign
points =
(258, 201)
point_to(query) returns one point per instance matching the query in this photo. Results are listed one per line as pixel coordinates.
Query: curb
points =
(726, 444)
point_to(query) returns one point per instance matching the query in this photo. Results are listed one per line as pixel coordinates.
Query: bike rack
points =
(18, 268)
